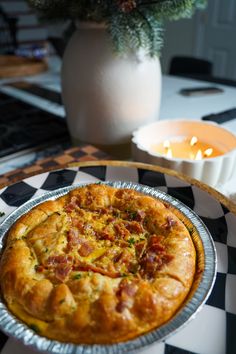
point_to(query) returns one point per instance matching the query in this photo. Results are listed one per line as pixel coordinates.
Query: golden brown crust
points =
(99, 265)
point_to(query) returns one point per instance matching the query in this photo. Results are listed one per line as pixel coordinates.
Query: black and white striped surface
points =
(213, 329)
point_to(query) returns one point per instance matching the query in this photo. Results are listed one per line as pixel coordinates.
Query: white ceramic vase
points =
(107, 96)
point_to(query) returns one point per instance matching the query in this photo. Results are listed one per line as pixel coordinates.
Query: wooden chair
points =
(190, 67)
(198, 69)
(8, 33)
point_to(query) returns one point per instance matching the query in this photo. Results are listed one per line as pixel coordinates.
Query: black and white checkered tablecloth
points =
(213, 331)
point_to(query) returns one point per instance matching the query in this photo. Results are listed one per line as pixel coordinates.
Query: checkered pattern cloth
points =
(83, 152)
(212, 331)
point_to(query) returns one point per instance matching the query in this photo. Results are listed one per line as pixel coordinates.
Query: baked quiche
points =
(98, 265)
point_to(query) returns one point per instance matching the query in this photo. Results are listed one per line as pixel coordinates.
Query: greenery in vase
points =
(132, 24)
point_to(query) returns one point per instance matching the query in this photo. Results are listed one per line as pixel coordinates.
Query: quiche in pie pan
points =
(105, 263)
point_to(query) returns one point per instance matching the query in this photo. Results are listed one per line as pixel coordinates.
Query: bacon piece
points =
(153, 261)
(71, 205)
(103, 211)
(89, 198)
(59, 259)
(117, 257)
(90, 267)
(78, 224)
(107, 210)
(134, 227)
(86, 249)
(149, 264)
(73, 239)
(62, 271)
(105, 235)
(39, 268)
(139, 248)
(73, 236)
(170, 222)
(121, 306)
(123, 243)
(121, 231)
(153, 239)
(137, 215)
(140, 215)
(123, 258)
(167, 258)
(157, 248)
(125, 293)
(126, 288)
(155, 243)
(62, 265)
(111, 219)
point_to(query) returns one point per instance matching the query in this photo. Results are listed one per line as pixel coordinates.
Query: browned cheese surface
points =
(99, 265)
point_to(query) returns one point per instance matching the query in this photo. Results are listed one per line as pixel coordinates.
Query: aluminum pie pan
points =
(202, 285)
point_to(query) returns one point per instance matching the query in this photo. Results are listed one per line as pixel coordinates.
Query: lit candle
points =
(208, 152)
(193, 141)
(185, 148)
(187, 141)
(168, 150)
(198, 155)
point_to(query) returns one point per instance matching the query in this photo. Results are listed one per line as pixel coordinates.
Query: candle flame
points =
(190, 148)
(198, 155)
(193, 141)
(208, 152)
(169, 153)
(166, 144)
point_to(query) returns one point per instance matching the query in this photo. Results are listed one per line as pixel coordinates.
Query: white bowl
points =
(212, 171)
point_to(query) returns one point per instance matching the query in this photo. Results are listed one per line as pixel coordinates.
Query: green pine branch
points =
(140, 26)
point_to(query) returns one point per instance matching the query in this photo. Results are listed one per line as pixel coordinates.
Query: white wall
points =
(179, 39)
(210, 35)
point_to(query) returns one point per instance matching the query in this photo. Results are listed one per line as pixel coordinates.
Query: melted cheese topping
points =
(99, 265)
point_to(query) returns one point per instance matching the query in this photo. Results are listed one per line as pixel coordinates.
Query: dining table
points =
(29, 171)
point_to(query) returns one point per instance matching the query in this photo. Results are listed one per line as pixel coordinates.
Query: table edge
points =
(213, 192)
